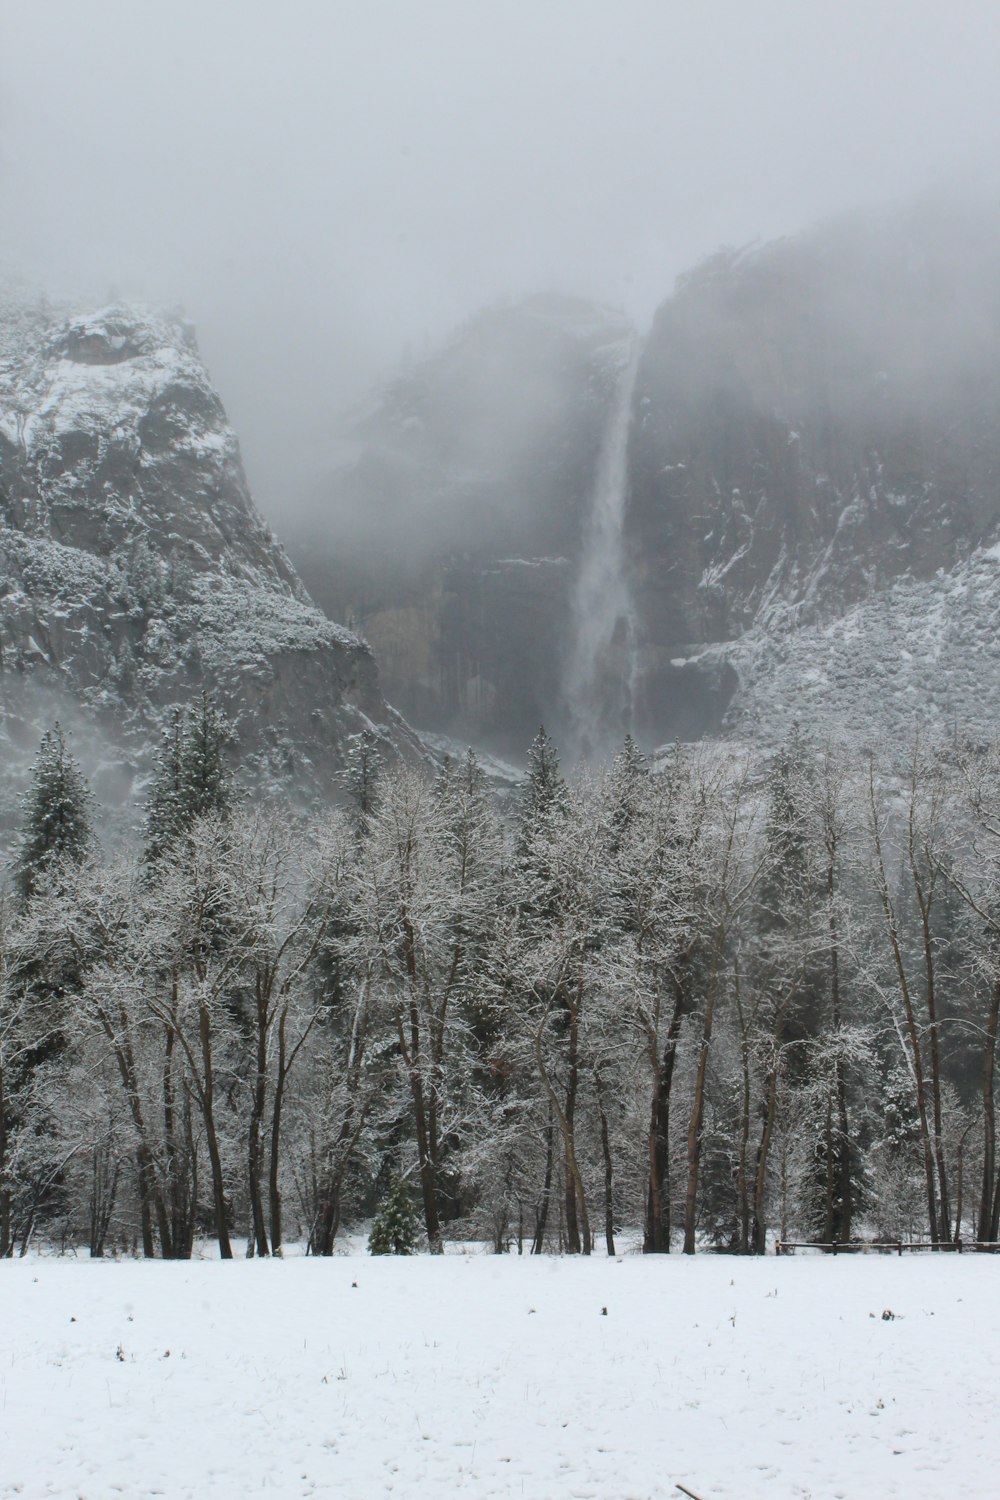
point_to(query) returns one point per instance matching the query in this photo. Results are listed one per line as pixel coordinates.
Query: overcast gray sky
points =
(323, 182)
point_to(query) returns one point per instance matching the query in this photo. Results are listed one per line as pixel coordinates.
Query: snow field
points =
(479, 1376)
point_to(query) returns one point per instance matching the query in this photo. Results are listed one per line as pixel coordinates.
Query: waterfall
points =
(599, 683)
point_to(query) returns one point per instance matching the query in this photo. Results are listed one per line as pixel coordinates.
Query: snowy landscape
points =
(499, 751)
(481, 1376)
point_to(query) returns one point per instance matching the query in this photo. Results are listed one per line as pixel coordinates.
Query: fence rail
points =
(886, 1247)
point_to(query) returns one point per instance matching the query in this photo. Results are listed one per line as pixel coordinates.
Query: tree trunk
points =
(542, 1214)
(572, 1220)
(829, 1191)
(988, 1225)
(844, 1160)
(574, 1197)
(695, 1122)
(742, 1184)
(411, 1054)
(170, 1144)
(6, 1243)
(211, 1136)
(257, 1241)
(104, 1192)
(187, 1246)
(150, 1197)
(428, 1186)
(656, 1235)
(759, 1238)
(925, 897)
(609, 1211)
(327, 1221)
(959, 1183)
(328, 1217)
(944, 1211)
(274, 1180)
(913, 1035)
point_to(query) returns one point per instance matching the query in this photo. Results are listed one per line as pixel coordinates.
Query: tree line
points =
(707, 1000)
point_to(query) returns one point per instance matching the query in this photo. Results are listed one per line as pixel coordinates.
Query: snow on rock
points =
(134, 567)
(919, 655)
(497, 1377)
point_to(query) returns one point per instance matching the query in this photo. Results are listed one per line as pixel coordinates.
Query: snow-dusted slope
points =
(134, 568)
(919, 656)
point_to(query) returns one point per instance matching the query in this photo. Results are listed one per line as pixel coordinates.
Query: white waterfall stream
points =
(599, 682)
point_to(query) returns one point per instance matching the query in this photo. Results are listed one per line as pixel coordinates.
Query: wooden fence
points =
(886, 1247)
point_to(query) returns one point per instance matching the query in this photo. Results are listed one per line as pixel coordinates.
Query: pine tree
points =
(206, 782)
(394, 1231)
(627, 777)
(192, 778)
(786, 878)
(165, 803)
(544, 794)
(144, 574)
(58, 823)
(362, 774)
(836, 1188)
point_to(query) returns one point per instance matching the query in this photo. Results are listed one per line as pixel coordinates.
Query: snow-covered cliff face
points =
(454, 534)
(815, 484)
(134, 568)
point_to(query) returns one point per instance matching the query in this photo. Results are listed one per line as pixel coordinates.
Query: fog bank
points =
(326, 186)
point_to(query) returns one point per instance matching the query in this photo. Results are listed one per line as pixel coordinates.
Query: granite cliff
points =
(809, 507)
(815, 439)
(135, 570)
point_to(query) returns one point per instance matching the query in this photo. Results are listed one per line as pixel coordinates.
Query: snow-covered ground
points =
(477, 1376)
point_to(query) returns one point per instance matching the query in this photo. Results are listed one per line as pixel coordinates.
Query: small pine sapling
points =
(394, 1231)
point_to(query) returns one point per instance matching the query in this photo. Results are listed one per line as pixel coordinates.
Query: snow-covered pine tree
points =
(394, 1231)
(165, 802)
(192, 777)
(544, 790)
(57, 814)
(836, 1185)
(787, 875)
(206, 781)
(625, 786)
(361, 776)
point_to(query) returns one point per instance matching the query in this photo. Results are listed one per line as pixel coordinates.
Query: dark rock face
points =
(451, 538)
(134, 568)
(812, 421)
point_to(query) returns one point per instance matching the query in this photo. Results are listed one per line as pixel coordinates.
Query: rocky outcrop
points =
(134, 568)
